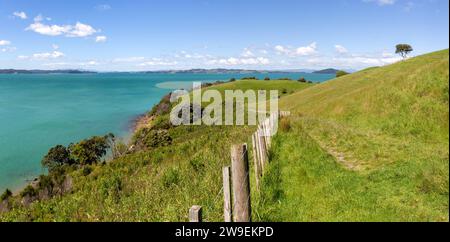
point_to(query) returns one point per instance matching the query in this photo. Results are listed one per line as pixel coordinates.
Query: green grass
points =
(371, 146)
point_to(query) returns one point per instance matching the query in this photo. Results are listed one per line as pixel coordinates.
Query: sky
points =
(139, 35)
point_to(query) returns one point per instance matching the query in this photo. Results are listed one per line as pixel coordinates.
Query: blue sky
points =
(181, 34)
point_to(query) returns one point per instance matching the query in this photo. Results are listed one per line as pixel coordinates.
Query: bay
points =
(39, 111)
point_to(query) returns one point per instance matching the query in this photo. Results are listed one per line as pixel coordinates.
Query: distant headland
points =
(189, 71)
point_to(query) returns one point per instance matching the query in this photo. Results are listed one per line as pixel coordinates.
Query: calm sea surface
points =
(38, 112)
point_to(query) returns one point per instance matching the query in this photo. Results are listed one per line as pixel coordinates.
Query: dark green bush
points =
(28, 191)
(7, 194)
(45, 182)
(302, 79)
(250, 78)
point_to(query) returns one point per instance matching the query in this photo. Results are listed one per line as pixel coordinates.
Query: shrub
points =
(284, 91)
(285, 79)
(112, 187)
(267, 79)
(302, 79)
(163, 107)
(7, 194)
(45, 182)
(28, 191)
(232, 80)
(162, 122)
(157, 138)
(171, 177)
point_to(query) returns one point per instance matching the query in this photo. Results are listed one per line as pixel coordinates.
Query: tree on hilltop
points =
(403, 50)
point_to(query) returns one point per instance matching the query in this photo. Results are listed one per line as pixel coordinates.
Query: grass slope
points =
(160, 184)
(371, 146)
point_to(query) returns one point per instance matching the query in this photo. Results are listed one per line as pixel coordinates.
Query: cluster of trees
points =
(250, 78)
(87, 152)
(60, 160)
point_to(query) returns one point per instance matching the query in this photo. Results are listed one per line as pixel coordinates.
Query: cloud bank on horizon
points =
(213, 34)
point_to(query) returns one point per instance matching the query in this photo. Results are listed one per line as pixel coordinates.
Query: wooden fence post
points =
(256, 161)
(241, 183)
(195, 214)
(262, 149)
(227, 209)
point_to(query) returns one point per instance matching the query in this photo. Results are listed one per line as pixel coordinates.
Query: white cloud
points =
(232, 61)
(4, 42)
(77, 30)
(185, 54)
(158, 62)
(5, 46)
(55, 46)
(307, 50)
(247, 53)
(51, 30)
(81, 30)
(101, 39)
(281, 49)
(355, 61)
(48, 55)
(41, 18)
(341, 49)
(42, 56)
(300, 51)
(382, 2)
(21, 15)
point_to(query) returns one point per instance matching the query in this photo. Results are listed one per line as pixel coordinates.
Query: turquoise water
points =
(38, 112)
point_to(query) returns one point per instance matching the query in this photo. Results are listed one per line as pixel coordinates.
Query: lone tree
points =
(403, 50)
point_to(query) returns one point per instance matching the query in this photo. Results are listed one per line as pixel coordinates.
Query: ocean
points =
(39, 111)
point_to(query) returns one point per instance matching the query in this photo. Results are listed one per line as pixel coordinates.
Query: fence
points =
(236, 179)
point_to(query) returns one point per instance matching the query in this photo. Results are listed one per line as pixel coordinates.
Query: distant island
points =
(190, 71)
(14, 71)
(327, 71)
(228, 71)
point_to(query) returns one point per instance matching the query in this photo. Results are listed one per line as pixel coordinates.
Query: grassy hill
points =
(370, 146)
